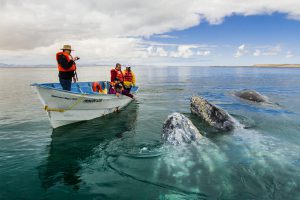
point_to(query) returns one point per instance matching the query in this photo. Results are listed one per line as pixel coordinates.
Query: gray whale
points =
(251, 95)
(213, 115)
(178, 129)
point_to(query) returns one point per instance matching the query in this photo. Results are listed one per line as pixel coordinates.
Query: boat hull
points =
(65, 107)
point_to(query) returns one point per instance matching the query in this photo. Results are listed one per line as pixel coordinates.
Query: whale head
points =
(178, 129)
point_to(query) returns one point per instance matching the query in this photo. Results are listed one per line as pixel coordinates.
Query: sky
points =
(151, 32)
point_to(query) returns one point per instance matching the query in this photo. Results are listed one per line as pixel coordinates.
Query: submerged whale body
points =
(213, 115)
(251, 95)
(178, 129)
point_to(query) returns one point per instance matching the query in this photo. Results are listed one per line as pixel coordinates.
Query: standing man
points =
(116, 73)
(66, 67)
(129, 78)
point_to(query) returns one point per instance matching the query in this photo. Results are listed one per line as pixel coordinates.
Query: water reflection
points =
(72, 145)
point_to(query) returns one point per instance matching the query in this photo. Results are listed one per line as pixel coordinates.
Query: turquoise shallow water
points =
(120, 156)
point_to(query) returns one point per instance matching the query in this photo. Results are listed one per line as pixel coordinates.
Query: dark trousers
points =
(66, 83)
(125, 92)
(128, 89)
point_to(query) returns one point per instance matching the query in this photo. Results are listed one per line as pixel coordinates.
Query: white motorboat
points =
(79, 104)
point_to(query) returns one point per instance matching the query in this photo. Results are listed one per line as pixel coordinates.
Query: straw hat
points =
(67, 47)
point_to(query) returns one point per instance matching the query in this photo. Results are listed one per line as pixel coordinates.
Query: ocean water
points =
(121, 156)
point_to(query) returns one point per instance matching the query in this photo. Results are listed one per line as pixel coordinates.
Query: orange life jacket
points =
(119, 75)
(112, 84)
(128, 76)
(97, 87)
(60, 68)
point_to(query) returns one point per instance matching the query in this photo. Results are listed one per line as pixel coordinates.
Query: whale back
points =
(212, 114)
(251, 95)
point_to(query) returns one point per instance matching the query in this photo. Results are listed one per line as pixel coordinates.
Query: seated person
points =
(116, 73)
(117, 88)
(112, 86)
(129, 78)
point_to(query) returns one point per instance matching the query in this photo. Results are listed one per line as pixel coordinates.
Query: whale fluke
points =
(178, 129)
(213, 115)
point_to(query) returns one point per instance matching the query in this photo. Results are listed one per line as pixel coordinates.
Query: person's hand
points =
(76, 58)
(118, 94)
(74, 79)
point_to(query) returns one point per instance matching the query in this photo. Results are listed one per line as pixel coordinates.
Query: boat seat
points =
(84, 84)
(87, 90)
(75, 89)
(86, 87)
(57, 86)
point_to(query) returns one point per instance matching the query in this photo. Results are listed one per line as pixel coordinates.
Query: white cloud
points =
(289, 54)
(91, 51)
(183, 51)
(272, 51)
(157, 51)
(113, 28)
(241, 51)
(166, 36)
(257, 52)
(203, 53)
(41, 23)
(29, 24)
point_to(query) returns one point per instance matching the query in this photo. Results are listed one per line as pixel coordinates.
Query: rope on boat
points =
(79, 100)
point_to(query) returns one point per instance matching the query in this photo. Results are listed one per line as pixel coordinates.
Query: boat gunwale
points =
(41, 85)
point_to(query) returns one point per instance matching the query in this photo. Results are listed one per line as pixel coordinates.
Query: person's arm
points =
(112, 75)
(62, 60)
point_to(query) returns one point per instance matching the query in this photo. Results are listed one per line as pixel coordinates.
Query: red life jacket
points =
(128, 76)
(119, 74)
(60, 68)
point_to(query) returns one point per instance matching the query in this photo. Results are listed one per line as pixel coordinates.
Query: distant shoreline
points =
(267, 66)
(278, 65)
